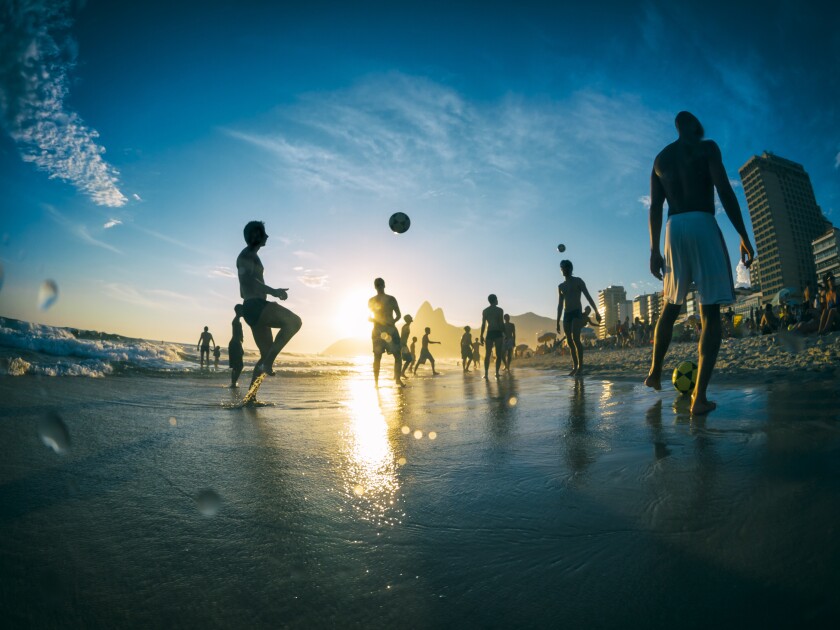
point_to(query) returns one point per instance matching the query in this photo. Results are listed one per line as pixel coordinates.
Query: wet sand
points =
(542, 501)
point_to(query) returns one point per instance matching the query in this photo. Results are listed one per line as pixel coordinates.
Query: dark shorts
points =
(235, 355)
(205, 349)
(493, 335)
(570, 316)
(466, 353)
(385, 338)
(252, 308)
(425, 355)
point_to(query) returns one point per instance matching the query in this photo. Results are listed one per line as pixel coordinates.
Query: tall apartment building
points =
(609, 300)
(640, 308)
(827, 253)
(647, 307)
(786, 220)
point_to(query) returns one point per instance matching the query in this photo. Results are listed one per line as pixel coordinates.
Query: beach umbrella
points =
(522, 346)
(546, 337)
(786, 296)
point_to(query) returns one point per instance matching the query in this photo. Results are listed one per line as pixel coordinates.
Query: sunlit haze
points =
(139, 138)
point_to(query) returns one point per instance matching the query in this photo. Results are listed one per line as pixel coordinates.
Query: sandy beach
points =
(532, 501)
(761, 359)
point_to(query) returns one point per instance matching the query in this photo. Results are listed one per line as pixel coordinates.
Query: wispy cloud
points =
(305, 255)
(166, 239)
(222, 272)
(136, 197)
(111, 223)
(314, 279)
(127, 293)
(78, 230)
(36, 55)
(645, 201)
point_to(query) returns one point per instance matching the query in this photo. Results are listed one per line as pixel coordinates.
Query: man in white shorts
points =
(686, 174)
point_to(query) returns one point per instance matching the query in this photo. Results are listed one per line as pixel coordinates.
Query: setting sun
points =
(352, 319)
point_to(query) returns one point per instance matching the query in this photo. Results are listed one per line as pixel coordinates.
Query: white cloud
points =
(645, 201)
(314, 279)
(742, 275)
(127, 293)
(298, 268)
(735, 183)
(136, 197)
(112, 223)
(222, 272)
(306, 255)
(35, 59)
(78, 230)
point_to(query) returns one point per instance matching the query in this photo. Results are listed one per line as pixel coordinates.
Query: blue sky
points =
(138, 140)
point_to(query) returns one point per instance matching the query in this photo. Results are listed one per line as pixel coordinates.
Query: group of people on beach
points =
(685, 173)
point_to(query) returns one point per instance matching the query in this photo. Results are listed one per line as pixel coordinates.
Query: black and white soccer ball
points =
(399, 222)
(685, 377)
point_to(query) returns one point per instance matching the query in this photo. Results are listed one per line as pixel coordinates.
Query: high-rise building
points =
(609, 300)
(827, 253)
(786, 220)
(640, 308)
(647, 307)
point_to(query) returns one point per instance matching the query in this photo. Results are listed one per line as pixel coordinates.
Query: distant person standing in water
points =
(260, 314)
(476, 352)
(217, 353)
(569, 310)
(510, 340)
(204, 347)
(235, 351)
(425, 354)
(686, 174)
(466, 349)
(407, 355)
(384, 313)
(492, 318)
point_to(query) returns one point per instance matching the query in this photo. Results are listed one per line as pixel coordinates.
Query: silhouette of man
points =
(493, 318)
(204, 347)
(568, 299)
(476, 354)
(235, 350)
(686, 174)
(407, 355)
(510, 340)
(260, 314)
(385, 338)
(425, 354)
(466, 349)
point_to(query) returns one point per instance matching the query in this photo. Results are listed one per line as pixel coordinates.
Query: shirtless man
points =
(260, 314)
(235, 351)
(407, 355)
(493, 318)
(476, 354)
(425, 354)
(385, 338)
(204, 347)
(510, 340)
(574, 318)
(466, 348)
(686, 174)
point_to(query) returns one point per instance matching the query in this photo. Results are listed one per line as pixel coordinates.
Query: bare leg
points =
(273, 316)
(499, 352)
(432, 361)
(708, 351)
(567, 330)
(377, 360)
(398, 368)
(576, 326)
(234, 376)
(661, 341)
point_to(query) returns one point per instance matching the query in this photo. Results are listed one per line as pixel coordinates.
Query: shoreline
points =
(754, 360)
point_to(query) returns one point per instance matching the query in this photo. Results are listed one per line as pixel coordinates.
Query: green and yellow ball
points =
(685, 377)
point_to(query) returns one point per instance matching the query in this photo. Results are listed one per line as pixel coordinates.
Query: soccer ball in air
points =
(685, 377)
(399, 222)
(561, 248)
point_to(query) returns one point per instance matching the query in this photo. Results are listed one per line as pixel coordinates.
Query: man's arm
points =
(585, 291)
(657, 202)
(245, 269)
(214, 341)
(559, 307)
(729, 202)
(483, 323)
(397, 313)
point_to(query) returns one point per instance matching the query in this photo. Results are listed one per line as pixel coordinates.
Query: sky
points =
(138, 139)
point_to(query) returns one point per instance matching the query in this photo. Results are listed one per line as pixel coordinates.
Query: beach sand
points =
(542, 502)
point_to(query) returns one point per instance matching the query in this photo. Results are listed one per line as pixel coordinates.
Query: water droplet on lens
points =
(418, 434)
(512, 402)
(401, 461)
(358, 490)
(208, 502)
(405, 430)
(432, 435)
(54, 433)
(173, 421)
(47, 294)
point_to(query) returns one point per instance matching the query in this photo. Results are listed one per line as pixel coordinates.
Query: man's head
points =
(206, 329)
(428, 330)
(467, 329)
(408, 319)
(238, 310)
(254, 233)
(689, 127)
(379, 284)
(414, 338)
(493, 299)
(566, 267)
(507, 317)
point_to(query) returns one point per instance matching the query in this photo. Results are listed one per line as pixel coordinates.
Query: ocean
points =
(132, 494)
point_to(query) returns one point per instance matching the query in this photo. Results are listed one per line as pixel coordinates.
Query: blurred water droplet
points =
(173, 421)
(385, 336)
(401, 461)
(359, 490)
(405, 430)
(47, 294)
(512, 402)
(432, 435)
(208, 502)
(54, 433)
(418, 434)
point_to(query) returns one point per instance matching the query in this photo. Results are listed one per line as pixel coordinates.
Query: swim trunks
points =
(695, 252)
(425, 355)
(466, 352)
(391, 344)
(235, 355)
(492, 335)
(570, 316)
(252, 308)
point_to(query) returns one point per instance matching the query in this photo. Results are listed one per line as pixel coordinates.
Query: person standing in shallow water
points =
(204, 347)
(466, 349)
(686, 174)
(569, 292)
(260, 314)
(384, 313)
(425, 354)
(235, 351)
(407, 355)
(493, 318)
(510, 341)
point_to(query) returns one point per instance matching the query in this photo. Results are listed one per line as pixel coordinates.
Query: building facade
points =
(647, 307)
(609, 301)
(827, 254)
(786, 220)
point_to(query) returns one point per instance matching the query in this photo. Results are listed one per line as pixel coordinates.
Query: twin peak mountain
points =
(528, 327)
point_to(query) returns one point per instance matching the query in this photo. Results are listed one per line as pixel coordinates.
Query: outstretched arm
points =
(657, 202)
(590, 300)
(729, 202)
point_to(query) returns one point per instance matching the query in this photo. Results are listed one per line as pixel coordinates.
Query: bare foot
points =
(435, 373)
(485, 377)
(702, 407)
(258, 370)
(400, 383)
(654, 380)
(573, 372)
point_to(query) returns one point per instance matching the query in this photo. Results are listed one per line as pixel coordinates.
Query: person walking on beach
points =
(510, 341)
(217, 352)
(413, 352)
(407, 355)
(570, 311)
(425, 354)
(384, 313)
(686, 174)
(476, 352)
(204, 347)
(466, 349)
(260, 314)
(235, 350)
(493, 318)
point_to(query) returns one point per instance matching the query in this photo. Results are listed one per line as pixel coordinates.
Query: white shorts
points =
(696, 252)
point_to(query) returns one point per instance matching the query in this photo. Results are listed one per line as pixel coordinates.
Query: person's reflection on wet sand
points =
(653, 417)
(503, 407)
(579, 452)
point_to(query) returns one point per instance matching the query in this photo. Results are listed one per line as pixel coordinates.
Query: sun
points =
(352, 318)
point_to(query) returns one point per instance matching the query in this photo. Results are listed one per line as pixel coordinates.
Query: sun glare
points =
(352, 317)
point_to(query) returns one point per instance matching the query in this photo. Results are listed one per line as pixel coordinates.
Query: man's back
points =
(684, 171)
(382, 307)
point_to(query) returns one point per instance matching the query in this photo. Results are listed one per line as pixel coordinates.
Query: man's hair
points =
(379, 283)
(492, 298)
(507, 317)
(205, 329)
(414, 338)
(408, 318)
(685, 121)
(250, 231)
(428, 330)
(467, 329)
(566, 264)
